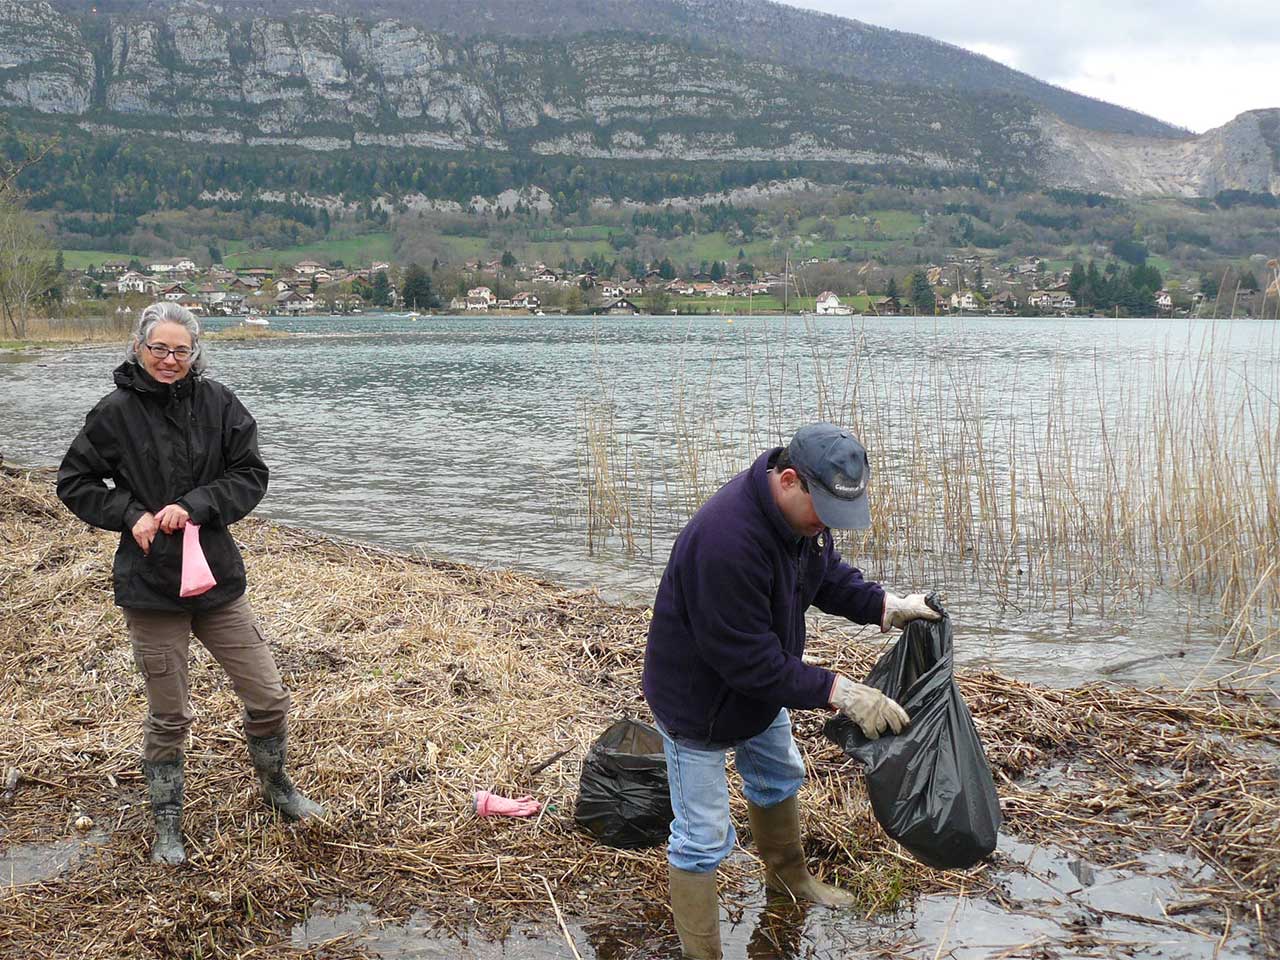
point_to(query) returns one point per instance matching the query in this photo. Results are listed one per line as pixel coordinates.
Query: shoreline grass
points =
(244, 332)
(417, 681)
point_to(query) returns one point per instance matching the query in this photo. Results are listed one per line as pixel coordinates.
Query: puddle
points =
(33, 862)
(1045, 903)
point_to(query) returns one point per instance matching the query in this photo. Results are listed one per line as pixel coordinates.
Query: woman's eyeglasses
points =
(161, 352)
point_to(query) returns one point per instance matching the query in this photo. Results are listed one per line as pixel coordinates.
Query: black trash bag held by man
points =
(623, 796)
(930, 786)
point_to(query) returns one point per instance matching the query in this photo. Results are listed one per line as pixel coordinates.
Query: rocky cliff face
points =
(327, 82)
(44, 63)
(1241, 155)
(330, 82)
(760, 30)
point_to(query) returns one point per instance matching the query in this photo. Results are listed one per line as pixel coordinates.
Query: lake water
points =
(461, 436)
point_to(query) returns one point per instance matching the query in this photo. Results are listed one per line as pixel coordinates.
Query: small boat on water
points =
(253, 320)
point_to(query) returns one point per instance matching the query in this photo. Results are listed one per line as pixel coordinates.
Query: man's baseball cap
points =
(835, 466)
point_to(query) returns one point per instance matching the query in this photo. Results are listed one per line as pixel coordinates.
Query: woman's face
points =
(157, 357)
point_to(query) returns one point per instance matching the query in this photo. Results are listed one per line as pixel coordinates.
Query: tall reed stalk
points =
(1162, 476)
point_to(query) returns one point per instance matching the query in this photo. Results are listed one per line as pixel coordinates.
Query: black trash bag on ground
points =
(930, 786)
(623, 797)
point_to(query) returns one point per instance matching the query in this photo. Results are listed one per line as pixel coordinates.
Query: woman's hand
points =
(172, 517)
(144, 531)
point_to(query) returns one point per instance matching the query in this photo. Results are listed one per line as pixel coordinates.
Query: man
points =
(724, 662)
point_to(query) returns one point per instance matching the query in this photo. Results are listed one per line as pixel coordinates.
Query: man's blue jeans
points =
(702, 834)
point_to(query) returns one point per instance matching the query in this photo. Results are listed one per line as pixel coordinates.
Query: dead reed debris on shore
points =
(417, 682)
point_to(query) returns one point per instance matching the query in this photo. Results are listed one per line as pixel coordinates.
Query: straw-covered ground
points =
(417, 682)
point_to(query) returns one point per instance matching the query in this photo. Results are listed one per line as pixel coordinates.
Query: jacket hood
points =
(131, 375)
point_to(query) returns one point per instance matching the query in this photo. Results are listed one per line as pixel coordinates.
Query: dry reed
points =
(91, 329)
(417, 681)
(238, 332)
(1070, 498)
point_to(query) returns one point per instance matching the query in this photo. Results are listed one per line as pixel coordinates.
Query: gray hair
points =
(166, 311)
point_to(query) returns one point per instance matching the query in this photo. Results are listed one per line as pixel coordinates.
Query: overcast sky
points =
(1194, 63)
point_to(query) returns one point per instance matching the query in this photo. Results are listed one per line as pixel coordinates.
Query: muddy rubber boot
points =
(278, 791)
(777, 834)
(697, 912)
(164, 785)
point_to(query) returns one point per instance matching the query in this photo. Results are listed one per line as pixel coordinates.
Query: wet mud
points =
(1035, 902)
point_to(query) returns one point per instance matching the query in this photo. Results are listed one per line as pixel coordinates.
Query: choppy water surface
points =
(461, 436)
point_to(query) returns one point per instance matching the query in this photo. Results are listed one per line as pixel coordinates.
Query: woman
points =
(180, 448)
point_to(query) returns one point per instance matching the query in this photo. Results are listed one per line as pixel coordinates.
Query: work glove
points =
(870, 709)
(899, 611)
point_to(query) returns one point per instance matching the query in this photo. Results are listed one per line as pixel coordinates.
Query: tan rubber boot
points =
(777, 834)
(697, 912)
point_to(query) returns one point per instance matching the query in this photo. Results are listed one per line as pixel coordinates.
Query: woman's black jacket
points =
(191, 443)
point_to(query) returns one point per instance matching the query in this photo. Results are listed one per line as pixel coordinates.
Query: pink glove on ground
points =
(491, 805)
(197, 578)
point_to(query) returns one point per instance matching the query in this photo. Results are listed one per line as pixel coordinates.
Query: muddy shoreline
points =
(1137, 823)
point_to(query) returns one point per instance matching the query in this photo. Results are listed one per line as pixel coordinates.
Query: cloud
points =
(1191, 62)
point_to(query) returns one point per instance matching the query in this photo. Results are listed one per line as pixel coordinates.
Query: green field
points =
(598, 231)
(745, 306)
(878, 225)
(84, 259)
(352, 251)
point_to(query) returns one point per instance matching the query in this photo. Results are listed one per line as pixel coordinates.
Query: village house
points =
(133, 282)
(610, 291)
(964, 300)
(175, 292)
(884, 307)
(710, 288)
(620, 307)
(113, 268)
(291, 301)
(527, 300)
(1164, 301)
(225, 302)
(170, 267)
(1051, 301)
(545, 276)
(307, 267)
(1004, 302)
(480, 298)
(829, 305)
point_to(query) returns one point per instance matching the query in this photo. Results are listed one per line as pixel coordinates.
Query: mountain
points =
(527, 82)
(757, 30)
